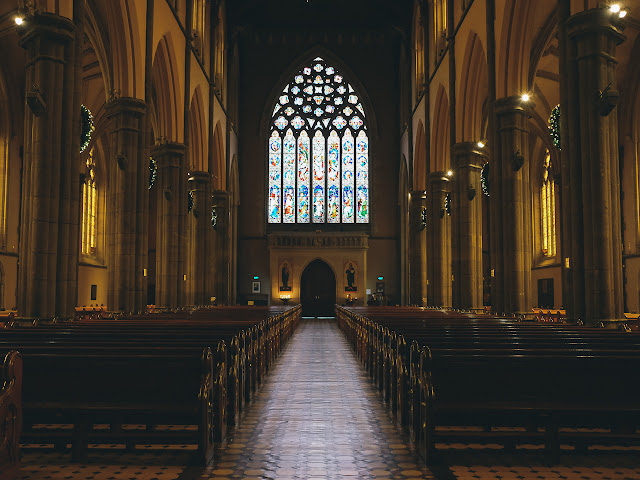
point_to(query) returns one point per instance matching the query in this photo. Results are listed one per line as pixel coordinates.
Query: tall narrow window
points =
(89, 209)
(197, 27)
(318, 151)
(440, 26)
(548, 209)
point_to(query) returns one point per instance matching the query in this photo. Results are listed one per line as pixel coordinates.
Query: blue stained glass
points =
(281, 122)
(339, 122)
(355, 123)
(274, 204)
(318, 204)
(275, 149)
(297, 122)
(347, 204)
(333, 204)
(303, 178)
(324, 179)
(362, 178)
(363, 204)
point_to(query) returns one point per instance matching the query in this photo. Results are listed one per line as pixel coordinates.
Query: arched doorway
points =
(318, 290)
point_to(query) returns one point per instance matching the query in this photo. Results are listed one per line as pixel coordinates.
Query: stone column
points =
(220, 256)
(199, 183)
(510, 204)
(468, 160)
(171, 241)
(49, 238)
(439, 241)
(128, 167)
(418, 248)
(595, 35)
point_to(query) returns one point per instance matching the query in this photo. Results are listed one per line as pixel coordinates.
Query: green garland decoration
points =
(87, 128)
(554, 127)
(190, 201)
(484, 179)
(447, 204)
(153, 172)
(214, 218)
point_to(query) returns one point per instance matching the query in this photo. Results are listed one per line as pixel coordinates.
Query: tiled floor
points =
(318, 417)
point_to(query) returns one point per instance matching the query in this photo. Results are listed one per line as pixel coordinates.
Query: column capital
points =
(220, 198)
(597, 20)
(439, 179)
(169, 152)
(126, 105)
(49, 27)
(468, 154)
(199, 178)
(514, 104)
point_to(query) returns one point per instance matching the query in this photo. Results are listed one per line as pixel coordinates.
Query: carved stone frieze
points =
(318, 240)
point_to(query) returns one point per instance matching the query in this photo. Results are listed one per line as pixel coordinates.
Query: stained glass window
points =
(318, 151)
(89, 208)
(548, 209)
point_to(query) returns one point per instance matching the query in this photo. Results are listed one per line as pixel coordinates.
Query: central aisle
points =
(317, 417)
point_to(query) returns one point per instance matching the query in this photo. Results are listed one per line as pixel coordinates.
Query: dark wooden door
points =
(318, 290)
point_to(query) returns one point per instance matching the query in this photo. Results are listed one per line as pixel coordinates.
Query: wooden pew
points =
(491, 373)
(10, 415)
(110, 356)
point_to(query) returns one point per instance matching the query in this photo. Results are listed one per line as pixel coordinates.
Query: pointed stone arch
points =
(473, 89)
(198, 144)
(440, 151)
(420, 159)
(125, 17)
(166, 90)
(511, 78)
(217, 164)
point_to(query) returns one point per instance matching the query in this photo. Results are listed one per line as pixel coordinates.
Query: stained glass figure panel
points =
(303, 177)
(318, 177)
(362, 178)
(289, 178)
(347, 178)
(275, 153)
(333, 178)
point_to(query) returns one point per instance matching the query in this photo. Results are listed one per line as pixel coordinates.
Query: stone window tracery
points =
(548, 209)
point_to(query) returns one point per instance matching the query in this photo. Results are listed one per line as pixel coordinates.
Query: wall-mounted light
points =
(471, 192)
(449, 173)
(19, 20)
(517, 160)
(480, 144)
(525, 97)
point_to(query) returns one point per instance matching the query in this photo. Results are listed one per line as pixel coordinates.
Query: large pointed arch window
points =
(318, 151)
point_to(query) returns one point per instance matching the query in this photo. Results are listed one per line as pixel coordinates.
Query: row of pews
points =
(472, 378)
(176, 377)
